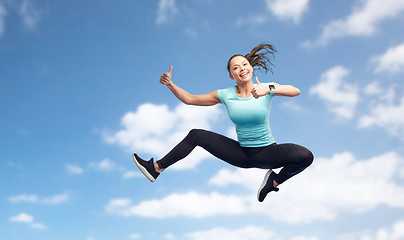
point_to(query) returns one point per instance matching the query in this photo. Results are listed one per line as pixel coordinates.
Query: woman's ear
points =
(231, 76)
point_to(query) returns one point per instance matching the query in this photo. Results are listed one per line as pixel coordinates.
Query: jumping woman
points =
(248, 106)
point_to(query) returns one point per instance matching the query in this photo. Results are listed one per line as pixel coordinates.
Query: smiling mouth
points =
(244, 74)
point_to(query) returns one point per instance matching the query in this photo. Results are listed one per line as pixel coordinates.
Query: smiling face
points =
(240, 69)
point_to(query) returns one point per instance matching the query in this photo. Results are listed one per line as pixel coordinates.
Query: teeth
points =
(243, 74)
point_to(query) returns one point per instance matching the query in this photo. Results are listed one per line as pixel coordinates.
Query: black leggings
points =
(291, 157)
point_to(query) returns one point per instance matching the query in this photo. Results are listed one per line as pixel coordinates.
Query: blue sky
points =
(80, 92)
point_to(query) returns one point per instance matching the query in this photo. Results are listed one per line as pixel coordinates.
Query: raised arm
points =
(286, 90)
(280, 90)
(187, 98)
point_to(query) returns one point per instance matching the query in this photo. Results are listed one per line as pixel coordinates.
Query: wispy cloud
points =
(284, 10)
(105, 165)
(28, 219)
(288, 9)
(387, 115)
(31, 198)
(246, 233)
(3, 13)
(392, 61)
(256, 19)
(131, 174)
(363, 20)
(29, 14)
(155, 129)
(339, 96)
(134, 236)
(393, 232)
(166, 11)
(73, 169)
(23, 198)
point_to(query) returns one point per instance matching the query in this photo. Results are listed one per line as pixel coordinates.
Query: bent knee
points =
(307, 157)
(195, 132)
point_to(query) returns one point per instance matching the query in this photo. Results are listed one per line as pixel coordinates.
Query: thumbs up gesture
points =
(166, 77)
(259, 90)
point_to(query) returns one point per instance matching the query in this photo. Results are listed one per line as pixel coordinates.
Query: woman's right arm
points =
(187, 98)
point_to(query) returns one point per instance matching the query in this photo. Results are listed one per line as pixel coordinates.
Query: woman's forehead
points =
(238, 60)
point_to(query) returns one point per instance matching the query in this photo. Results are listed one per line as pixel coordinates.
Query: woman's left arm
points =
(286, 90)
(260, 90)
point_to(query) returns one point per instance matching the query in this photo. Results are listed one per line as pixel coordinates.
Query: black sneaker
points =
(146, 167)
(267, 185)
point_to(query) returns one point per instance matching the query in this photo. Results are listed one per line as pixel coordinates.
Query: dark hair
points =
(259, 57)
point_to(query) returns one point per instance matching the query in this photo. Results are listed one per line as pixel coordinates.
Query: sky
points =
(80, 93)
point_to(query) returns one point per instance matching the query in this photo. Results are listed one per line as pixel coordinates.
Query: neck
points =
(244, 88)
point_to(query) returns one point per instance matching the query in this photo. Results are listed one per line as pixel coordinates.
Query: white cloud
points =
(56, 199)
(387, 115)
(303, 238)
(246, 233)
(166, 11)
(53, 200)
(28, 219)
(37, 226)
(134, 236)
(394, 232)
(284, 10)
(391, 61)
(73, 169)
(23, 198)
(288, 9)
(244, 177)
(155, 130)
(105, 165)
(373, 88)
(29, 14)
(340, 96)
(176, 205)
(22, 217)
(363, 21)
(255, 19)
(131, 174)
(353, 183)
(169, 236)
(3, 13)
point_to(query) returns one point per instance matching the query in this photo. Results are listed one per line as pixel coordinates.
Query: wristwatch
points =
(272, 88)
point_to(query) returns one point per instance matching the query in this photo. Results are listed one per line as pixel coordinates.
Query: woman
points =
(248, 106)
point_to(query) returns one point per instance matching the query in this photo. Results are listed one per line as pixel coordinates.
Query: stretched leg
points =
(218, 145)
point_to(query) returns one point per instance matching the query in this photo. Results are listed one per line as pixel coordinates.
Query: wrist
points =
(271, 89)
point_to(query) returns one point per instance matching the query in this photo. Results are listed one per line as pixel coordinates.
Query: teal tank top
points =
(250, 116)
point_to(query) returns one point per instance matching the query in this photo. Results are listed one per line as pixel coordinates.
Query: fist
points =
(166, 77)
(259, 90)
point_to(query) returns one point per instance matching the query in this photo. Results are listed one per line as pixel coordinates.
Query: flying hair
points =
(260, 57)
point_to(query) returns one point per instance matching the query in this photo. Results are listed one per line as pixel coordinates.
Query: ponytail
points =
(260, 57)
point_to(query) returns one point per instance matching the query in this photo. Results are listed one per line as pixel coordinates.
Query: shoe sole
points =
(264, 182)
(143, 169)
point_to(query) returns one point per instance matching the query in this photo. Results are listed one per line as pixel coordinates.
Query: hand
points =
(259, 90)
(166, 77)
